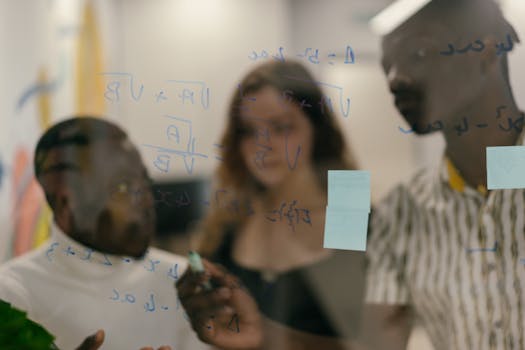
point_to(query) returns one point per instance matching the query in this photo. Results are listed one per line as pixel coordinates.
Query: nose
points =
(398, 79)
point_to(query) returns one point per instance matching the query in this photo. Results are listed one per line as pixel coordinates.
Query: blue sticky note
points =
(505, 167)
(349, 189)
(345, 229)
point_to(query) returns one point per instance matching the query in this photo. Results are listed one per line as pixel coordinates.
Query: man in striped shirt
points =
(442, 248)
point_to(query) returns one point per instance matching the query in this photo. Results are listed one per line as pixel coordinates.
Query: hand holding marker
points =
(194, 259)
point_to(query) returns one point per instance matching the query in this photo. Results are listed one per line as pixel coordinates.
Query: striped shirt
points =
(456, 257)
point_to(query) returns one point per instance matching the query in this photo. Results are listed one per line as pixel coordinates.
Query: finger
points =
(216, 270)
(93, 342)
(191, 284)
(211, 270)
(182, 278)
(204, 328)
(221, 276)
(204, 320)
(165, 347)
(200, 320)
(245, 306)
(202, 323)
(207, 300)
(147, 348)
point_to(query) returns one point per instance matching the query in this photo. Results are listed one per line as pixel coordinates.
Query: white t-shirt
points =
(73, 291)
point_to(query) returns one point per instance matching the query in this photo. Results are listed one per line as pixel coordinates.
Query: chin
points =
(137, 251)
(270, 182)
(140, 254)
(136, 241)
(269, 178)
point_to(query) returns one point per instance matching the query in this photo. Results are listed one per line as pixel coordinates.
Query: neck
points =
(467, 149)
(303, 187)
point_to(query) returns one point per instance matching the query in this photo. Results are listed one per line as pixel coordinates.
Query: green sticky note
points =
(345, 229)
(505, 167)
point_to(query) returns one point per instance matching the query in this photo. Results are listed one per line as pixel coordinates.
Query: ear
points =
(59, 197)
(62, 209)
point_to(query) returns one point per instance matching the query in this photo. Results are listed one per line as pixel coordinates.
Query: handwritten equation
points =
(291, 214)
(89, 255)
(289, 211)
(151, 304)
(172, 199)
(310, 55)
(186, 92)
(505, 124)
(342, 101)
(478, 46)
(179, 145)
(325, 103)
(179, 134)
(182, 146)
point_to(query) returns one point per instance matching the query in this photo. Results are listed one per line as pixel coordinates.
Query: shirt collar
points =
(452, 176)
(456, 181)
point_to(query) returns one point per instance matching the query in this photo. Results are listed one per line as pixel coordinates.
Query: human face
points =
(429, 87)
(276, 138)
(110, 204)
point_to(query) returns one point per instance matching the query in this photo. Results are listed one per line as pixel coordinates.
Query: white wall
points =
(515, 12)
(24, 26)
(191, 40)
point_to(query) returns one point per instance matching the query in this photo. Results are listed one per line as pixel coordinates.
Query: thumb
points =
(93, 342)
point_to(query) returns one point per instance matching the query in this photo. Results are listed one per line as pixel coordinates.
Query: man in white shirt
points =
(96, 271)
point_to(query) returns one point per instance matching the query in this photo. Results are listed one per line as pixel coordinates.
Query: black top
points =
(323, 298)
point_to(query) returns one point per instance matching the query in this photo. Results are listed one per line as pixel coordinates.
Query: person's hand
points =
(227, 316)
(94, 342)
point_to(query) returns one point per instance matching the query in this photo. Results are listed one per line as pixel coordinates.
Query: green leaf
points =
(17, 332)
